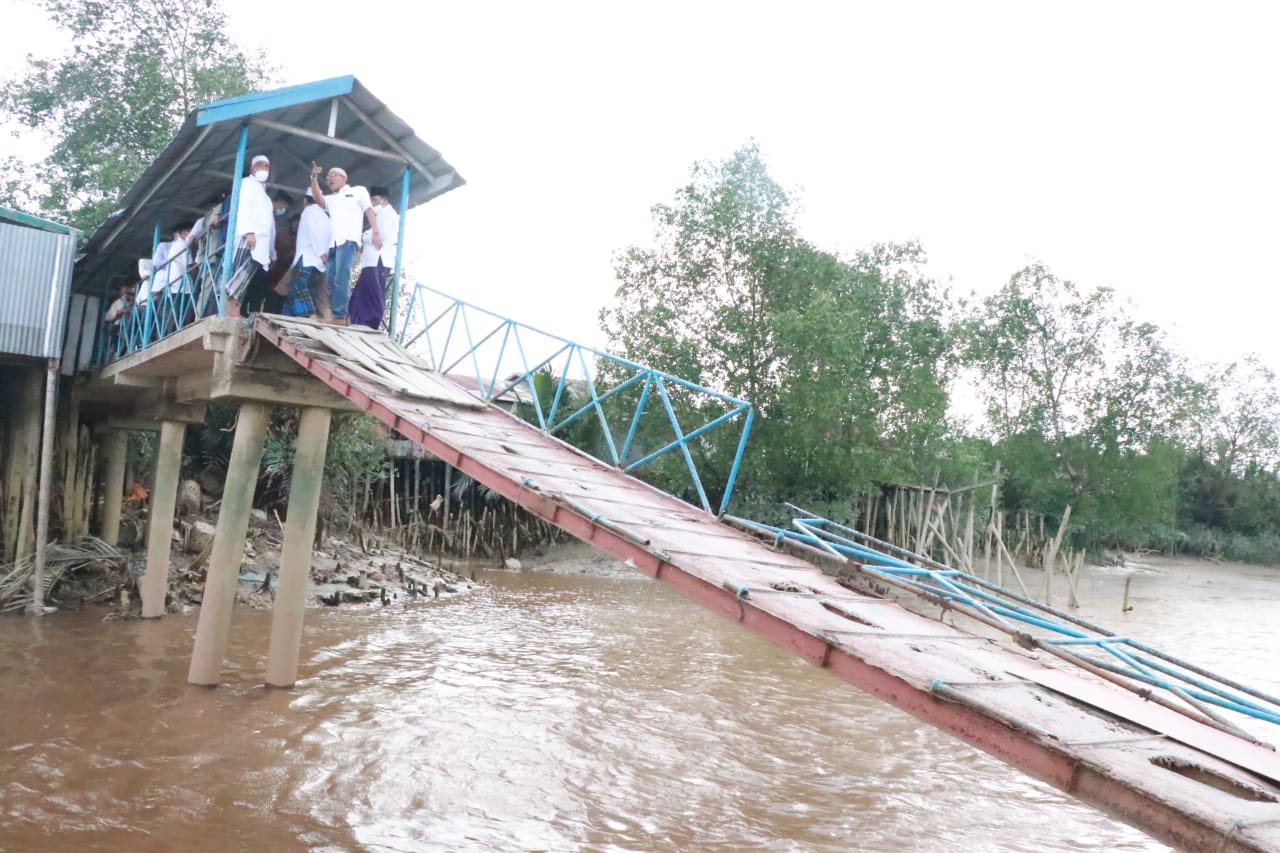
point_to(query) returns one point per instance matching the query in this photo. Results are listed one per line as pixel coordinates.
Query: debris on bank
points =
(91, 572)
(342, 573)
(88, 572)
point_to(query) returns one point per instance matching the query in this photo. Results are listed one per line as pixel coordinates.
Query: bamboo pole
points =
(968, 536)
(1013, 567)
(448, 490)
(1075, 561)
(1051, 553)
(997, 532)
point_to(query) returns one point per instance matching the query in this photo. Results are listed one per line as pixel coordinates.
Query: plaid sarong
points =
(242, 270)
(299, 302)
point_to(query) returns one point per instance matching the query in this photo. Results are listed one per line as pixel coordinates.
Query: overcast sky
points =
(1124, 144)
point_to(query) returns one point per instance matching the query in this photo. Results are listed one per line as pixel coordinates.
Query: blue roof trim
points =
(259, 102)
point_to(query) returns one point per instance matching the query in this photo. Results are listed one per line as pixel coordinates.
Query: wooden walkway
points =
(1190, 785)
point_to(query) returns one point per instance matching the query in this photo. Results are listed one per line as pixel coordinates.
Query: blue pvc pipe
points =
(737, 460)
(589, 406)
(635, 420)
(684, 448)
(564, 377)
(502, 351)
(614, 358)
(697, 432)
(595, 401)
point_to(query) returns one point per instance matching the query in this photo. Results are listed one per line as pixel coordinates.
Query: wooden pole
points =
(968, 536)
(448, 496)
(1051, 554)
(46, 485)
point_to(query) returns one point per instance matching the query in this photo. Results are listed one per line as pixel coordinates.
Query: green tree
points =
(1087, 404)
(109, 104)
(1230, 480)
(843, 359)
(696, 303)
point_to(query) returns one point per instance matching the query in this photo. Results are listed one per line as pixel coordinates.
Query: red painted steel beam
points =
(1029, 750)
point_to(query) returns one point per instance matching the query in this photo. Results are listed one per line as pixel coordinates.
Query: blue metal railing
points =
(501, 355)
(1118, 659)
(188, 290)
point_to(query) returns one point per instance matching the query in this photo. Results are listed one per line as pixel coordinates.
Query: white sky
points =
(1124, 144)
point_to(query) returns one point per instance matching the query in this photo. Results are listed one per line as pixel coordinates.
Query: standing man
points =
(116, 316)
(286, 244)
(345, 205)
(256, 234)
(369, 299)
(308, 289)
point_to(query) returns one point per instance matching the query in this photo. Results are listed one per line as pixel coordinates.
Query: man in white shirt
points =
(176, 260)
(345, 205)
(308, 290)
(167, 267)
(256, 234)
(369, 299)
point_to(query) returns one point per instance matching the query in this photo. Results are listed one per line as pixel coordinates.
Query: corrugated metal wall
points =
(35, 285)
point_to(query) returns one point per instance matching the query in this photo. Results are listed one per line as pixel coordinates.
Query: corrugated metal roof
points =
(35, 282)
(292, 127)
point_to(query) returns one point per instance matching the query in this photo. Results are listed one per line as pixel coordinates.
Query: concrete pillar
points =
(220, 584)
(116, 447)
(164, 499)
(299, 536)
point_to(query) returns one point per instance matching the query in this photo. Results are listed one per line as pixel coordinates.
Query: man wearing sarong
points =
(369, 299)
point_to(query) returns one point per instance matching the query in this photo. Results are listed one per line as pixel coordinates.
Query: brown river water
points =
(557, 711)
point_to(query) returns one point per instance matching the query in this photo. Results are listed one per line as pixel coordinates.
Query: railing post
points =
(228, 245)
(395, 287)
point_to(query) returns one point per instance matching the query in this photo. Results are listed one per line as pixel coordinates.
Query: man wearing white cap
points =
(256, 233)
(345, 205)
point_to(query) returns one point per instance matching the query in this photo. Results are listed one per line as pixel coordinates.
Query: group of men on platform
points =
(324, 241)
(330, 236)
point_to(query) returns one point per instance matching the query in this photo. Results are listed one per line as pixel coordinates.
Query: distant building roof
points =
(335, 122)
(17, 217)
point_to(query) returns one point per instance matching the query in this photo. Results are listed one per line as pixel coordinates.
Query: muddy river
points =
(586, 708)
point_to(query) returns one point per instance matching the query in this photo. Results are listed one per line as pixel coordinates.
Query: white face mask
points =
(261, 176)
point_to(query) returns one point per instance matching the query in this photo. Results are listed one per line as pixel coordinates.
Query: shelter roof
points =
(335, 122)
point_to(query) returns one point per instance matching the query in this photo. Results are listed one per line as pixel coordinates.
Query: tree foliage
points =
(843, 359)
(111, 102)
(848, 361)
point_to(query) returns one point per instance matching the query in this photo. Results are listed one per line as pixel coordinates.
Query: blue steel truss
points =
(499, 353)
(1117, 659)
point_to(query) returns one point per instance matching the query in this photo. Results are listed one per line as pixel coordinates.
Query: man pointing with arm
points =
(345, 205)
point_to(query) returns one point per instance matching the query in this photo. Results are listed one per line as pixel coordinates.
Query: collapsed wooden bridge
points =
(1180, 779)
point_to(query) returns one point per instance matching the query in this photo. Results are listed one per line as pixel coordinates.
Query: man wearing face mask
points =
(286, 243)
(256, 234)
